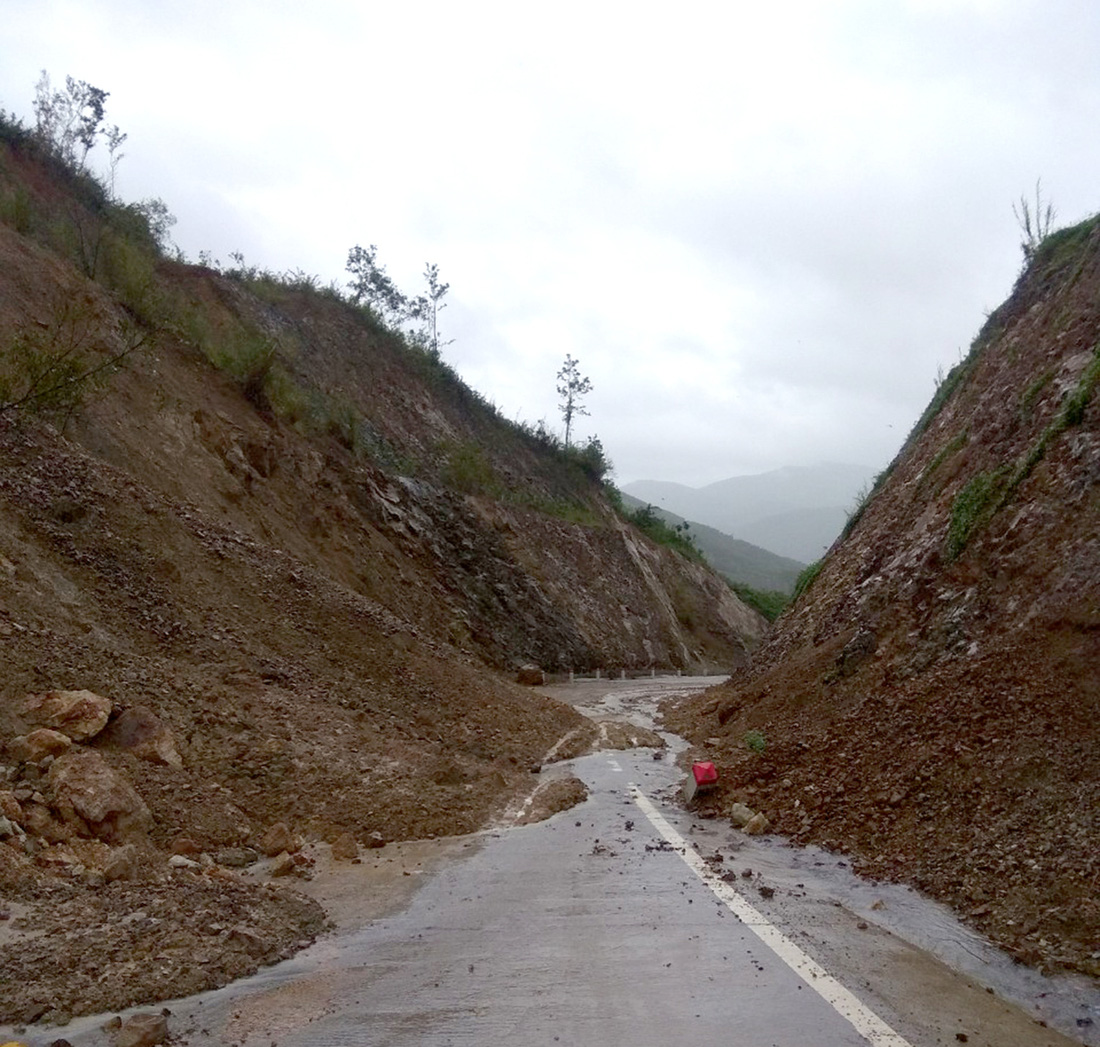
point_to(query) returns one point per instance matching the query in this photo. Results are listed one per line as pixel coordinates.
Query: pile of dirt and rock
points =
(931, 703)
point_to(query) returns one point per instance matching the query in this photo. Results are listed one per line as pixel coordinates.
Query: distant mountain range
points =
(739, 561)
(794, 512)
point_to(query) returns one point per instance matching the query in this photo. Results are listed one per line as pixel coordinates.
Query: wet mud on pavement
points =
(591, 928)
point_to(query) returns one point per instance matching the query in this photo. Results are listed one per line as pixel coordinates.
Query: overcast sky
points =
(761, 228)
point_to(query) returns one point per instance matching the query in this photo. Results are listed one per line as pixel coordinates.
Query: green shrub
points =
(591, 458)
(342, 420)
(680, 538)
(288, 399)
(129, 271)
(16, 210)
(755, 740)
(53, 370)
(614, 497)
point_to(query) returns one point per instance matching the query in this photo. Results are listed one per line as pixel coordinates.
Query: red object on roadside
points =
(705, 773)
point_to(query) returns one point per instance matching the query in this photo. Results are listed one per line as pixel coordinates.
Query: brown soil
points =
(935, 711)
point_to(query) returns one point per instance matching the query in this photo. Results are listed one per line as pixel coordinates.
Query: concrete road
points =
(579, 931)
(623, 921)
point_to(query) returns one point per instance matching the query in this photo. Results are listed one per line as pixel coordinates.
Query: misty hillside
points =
(795, 512)
(738, 560)
(956, 627)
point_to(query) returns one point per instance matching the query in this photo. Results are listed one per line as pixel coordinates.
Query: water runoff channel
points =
(626, 920)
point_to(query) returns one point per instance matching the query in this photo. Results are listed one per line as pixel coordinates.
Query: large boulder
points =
(142, 732)
(87, 792)
(278, 839)
(10, 807)
(79, 715)
(530, 676)
(344, 848)
(146, 1029)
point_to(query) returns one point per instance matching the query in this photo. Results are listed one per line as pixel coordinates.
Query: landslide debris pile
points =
(283, 554)
(931, 703)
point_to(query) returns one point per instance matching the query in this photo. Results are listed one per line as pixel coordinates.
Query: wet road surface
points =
(623, 921)
(578, 934)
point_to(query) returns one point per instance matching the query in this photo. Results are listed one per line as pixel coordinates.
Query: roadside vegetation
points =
(989, 492)
(769, 602)
(806, 579)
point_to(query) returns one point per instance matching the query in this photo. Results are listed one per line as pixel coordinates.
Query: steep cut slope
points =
(288, 554)
(932, 702)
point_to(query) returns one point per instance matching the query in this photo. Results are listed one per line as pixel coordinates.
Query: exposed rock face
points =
(79, 715)
(932, 702)
(313, 610)
(93, 798)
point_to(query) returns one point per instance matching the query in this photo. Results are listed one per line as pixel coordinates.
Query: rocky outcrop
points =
(34, 747)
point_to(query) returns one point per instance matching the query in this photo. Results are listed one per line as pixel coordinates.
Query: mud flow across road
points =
(625, 920)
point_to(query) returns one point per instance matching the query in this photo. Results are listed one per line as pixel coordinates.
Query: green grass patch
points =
(571, 511)
(806, 578)
(467, 469)
(953, 447)
(769, 602)
(1031, 394)
(755, 740)
(1071, 414)
(972, 506)
(988, 492)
